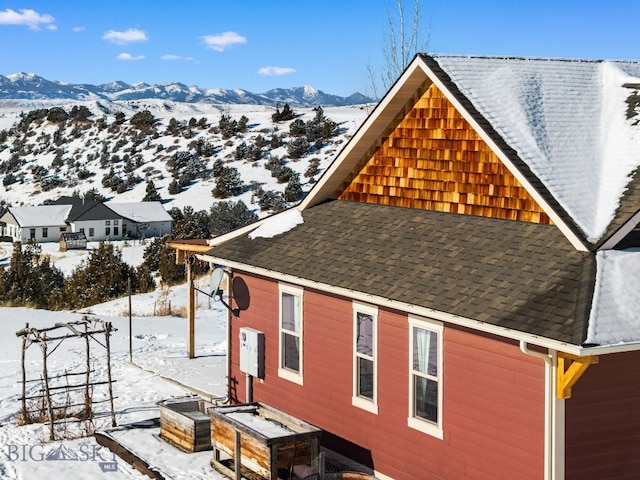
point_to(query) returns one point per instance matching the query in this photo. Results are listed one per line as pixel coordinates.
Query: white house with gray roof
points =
(43, 223)
(98, 221)
(143, 219)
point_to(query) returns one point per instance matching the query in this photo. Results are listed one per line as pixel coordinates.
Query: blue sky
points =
(258, 44)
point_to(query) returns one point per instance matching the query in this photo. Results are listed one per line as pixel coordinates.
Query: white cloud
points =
(128, 36)
(28, 17)
(128, 56)
(176, 57)
(274, 71)
(223, 40)
(78, 29)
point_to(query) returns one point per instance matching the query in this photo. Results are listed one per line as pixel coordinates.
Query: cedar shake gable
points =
(538, 140)
(517, 275)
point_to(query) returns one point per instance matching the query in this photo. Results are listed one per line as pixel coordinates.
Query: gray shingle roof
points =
(520, 276)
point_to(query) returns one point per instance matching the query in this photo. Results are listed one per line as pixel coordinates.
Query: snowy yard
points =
(160, 370)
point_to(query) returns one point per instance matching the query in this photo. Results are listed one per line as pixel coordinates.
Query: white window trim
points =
(285, 373)
(425, 426)
(356, 400)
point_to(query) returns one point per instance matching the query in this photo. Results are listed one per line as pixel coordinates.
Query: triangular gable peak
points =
(435, 160)
(517, 194)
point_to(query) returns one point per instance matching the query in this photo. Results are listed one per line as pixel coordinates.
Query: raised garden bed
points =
(186, 424)
(261, 439)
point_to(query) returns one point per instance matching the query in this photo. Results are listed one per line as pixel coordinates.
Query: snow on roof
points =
(566, 119)
(141, 211)
(615, 313)
(277, 224)
(41, 215)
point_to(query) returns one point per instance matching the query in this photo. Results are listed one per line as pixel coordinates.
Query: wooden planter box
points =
(185, 424)
(261, 439)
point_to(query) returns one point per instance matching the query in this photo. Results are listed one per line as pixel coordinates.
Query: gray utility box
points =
(252, 352)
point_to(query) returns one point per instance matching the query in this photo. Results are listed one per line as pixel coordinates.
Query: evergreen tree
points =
(31, 280)
(80, 113)
(225, 217)
(228, 183)
(272, 201)
(174, 187)
(284, 115)
(192, 225)
(102, 277)
(94, 195)
(298, 147)
(142, 119)
(151, 194)
(293, 190)
(170, 272)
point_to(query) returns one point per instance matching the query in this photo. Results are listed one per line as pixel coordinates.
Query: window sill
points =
(425, 427)
(290, 375)
(365, 404)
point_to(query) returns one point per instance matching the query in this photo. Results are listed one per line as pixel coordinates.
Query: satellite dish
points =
(240, 293)
(214, 281)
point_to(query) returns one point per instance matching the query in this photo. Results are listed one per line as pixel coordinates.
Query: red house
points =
(459, 295)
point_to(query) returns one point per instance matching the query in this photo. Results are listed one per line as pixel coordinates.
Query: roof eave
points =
(444, 317)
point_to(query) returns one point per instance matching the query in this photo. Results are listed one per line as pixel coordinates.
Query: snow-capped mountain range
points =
(28, 86)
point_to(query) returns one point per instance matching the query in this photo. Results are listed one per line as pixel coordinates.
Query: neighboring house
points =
(143, 219)
(43, 223)
(458, 296)
(94, 219)
(98, 221)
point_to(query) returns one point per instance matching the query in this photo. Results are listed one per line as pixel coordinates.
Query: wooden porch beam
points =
(570, 369)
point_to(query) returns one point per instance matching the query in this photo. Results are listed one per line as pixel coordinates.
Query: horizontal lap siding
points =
(603, 420)
(493, 394)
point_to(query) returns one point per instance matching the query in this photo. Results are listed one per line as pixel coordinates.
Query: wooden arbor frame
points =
(88, 329)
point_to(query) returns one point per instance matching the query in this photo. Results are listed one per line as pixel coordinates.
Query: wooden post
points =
(87, 396)
(25, 414)
(191, 314)
(320, 462)
(107, 333)
(45, 376)
(237, 461)
(130, 326)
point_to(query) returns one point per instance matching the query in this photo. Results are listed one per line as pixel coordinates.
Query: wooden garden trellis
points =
(88, 329)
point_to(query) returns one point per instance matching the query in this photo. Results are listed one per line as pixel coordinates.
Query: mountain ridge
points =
(29, 86)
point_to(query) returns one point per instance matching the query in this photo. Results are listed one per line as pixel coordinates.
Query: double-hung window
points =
(291, 344)
(365, 338)
(425, 376)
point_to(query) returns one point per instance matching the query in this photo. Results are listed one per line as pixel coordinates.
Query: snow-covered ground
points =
(160, 370)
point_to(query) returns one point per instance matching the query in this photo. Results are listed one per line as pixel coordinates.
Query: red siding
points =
(603, 420)
(493, 412)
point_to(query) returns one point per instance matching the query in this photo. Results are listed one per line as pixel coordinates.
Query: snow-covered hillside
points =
(42, 160)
